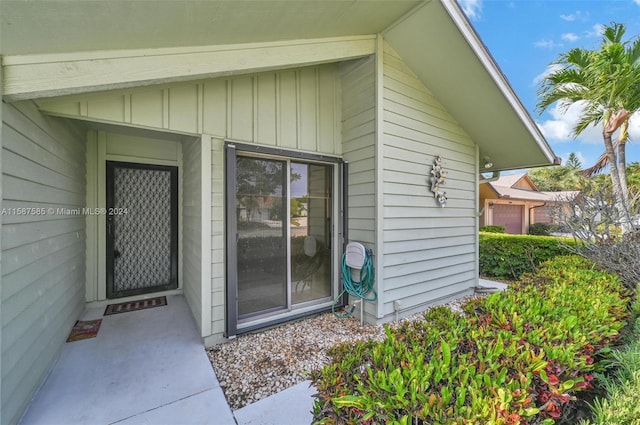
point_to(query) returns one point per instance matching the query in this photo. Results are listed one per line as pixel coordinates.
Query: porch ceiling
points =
(62, 26)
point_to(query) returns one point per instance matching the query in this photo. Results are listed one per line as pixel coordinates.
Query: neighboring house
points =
(514, 201)
(133, 133)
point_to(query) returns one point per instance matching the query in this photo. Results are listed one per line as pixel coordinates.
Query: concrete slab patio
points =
(144, 367)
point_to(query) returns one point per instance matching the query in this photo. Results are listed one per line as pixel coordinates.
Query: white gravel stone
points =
(256, 365)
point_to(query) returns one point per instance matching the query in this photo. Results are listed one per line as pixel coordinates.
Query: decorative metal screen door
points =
(142, 228)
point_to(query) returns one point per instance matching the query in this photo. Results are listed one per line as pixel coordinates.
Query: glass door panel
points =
(310, 232)
(261, 238)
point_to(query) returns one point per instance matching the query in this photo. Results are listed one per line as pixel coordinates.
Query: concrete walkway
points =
(150, 367)
(144, 367)
(292, 406)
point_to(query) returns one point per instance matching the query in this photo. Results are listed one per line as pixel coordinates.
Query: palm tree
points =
(606, 82)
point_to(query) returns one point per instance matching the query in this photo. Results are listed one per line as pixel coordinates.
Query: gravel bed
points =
(256, 365)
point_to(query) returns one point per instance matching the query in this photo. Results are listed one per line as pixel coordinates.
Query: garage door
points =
(509, 216)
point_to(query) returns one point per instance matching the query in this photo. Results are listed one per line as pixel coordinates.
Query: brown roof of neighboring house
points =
(504, 188)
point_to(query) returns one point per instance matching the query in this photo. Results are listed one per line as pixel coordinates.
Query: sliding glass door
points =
(261, 235)
(280, 218)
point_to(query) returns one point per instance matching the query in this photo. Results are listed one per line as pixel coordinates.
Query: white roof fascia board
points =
(38, 76)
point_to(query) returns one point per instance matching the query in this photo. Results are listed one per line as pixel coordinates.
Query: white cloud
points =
(570, 36)
(472, 8)
(596, 31)
(546, 44)
(637, 2)
(559, 128)
(634, 125)
(549, 70)
(577, 15)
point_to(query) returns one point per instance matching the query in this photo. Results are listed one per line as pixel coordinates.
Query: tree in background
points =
(559, 178)
(606, 83)
(573, 161)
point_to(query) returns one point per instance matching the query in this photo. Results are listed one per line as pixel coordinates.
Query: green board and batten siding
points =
(429, 251)
(43, 256)
(291, 109)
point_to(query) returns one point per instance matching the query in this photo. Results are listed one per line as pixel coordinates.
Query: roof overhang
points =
(440, 46)
(67, 47)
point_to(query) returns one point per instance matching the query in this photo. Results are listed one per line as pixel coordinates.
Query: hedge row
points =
(510, 256)
(517, 357)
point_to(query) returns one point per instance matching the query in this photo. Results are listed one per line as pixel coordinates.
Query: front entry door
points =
(142, 228)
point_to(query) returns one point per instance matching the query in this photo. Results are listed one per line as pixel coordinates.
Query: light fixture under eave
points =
(487, 163)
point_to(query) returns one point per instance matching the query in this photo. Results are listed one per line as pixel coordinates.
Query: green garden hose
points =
(359, 288)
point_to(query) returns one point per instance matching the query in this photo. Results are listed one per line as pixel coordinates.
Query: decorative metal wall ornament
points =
(438, 176)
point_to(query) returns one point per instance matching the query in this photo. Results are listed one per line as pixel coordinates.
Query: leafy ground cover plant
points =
(518, 357)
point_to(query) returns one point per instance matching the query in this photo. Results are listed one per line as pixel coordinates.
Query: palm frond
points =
(613, 33)
(634, 51)
(600, 164)
(580, 58)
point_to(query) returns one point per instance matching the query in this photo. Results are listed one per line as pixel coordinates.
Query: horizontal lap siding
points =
(430, 251)
(192, 227)
(43, 269)
(218, 243)
(358, 148)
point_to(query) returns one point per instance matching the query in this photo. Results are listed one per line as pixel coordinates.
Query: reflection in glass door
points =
(261, 235)
(310, 232)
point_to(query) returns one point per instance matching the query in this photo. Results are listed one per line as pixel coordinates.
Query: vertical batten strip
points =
(317, 99)
(165, 108)
(298, 98)
(200, 109)
(254, 105)
(229, 106)
(337, 113)
(278, 123)
(126, 100)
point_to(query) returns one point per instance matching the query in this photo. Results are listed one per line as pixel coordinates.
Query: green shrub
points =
(493, 229)
(509, 256)
(542, 229)
(517, 357)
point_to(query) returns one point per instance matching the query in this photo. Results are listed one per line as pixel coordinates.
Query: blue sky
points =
(526, 36)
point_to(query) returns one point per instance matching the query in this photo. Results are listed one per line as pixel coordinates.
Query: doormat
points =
(135, 305)
(84, 330)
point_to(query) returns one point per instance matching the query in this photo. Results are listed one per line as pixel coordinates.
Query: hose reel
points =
(358, 276)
